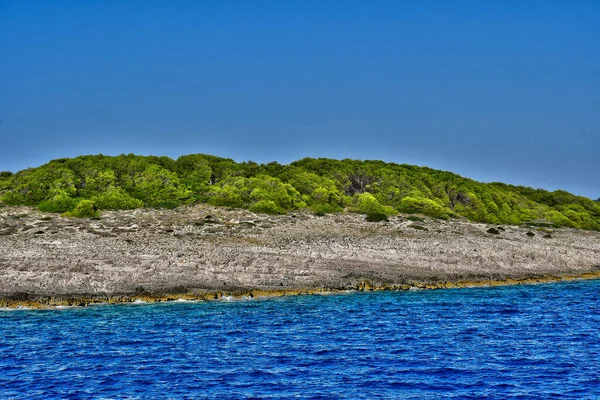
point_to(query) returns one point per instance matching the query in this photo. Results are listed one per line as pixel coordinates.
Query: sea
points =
(523, 342)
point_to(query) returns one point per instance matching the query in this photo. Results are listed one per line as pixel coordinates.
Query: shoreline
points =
(202, 252)
(79, 301)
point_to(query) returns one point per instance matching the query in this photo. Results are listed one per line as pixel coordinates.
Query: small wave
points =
(241, 298)
(233, 298)
(138, 301)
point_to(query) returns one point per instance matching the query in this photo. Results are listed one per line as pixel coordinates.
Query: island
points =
(99, 229)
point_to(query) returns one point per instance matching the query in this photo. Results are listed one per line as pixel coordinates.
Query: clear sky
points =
(505, 90)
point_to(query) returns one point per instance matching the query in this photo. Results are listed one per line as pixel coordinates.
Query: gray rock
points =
(129, 249)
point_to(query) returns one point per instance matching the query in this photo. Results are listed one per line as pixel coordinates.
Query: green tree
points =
(60, 202)
(266, 207)
(268, 189)
(366, 203)
(225, 195)
(83, 209)
(558, 218)
(116, 198)
(158, 187)
(421, 205)
(195, 174)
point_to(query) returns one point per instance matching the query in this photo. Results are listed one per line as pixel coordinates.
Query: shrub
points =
(59, 203)
(5, 181)
(421, 205)
(226, 196)
(84, 209)
(12, 198)
(366, 203)
(116, 199)
(558, 218)
(266, 188)
(377, 217)
(158, 187)
(322, 209)
(266, 207)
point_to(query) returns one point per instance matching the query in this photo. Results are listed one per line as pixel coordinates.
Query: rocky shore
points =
(203, 252)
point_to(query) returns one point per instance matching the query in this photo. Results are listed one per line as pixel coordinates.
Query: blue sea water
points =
(533, 341)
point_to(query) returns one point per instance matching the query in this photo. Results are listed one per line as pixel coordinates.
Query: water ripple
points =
(538, 341)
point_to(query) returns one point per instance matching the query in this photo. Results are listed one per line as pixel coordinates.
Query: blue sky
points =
(493, 90)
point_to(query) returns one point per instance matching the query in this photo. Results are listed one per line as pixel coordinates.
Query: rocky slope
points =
(206, 252)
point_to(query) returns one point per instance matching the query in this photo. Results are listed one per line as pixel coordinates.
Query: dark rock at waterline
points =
(493, 231)
(547, 236)
(530, 234)
(18, 296)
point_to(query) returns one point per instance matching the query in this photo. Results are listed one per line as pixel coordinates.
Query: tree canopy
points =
(97, 182)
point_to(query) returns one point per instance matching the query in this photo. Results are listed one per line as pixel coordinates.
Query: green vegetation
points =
(377, 217)
(81, 186)
(84, 209)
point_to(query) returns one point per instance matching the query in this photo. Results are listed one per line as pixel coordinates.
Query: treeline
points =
(80, 186)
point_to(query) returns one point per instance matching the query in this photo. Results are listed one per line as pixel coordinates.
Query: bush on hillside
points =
(412, 205)
(266, 207)
(116, 199)
(83, 209)
(366, 203)
(59, 203)
(377, 217)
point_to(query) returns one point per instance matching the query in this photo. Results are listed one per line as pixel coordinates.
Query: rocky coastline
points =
(202, 252)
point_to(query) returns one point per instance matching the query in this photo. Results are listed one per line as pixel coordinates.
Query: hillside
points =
(200, 251)
(80, 186)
